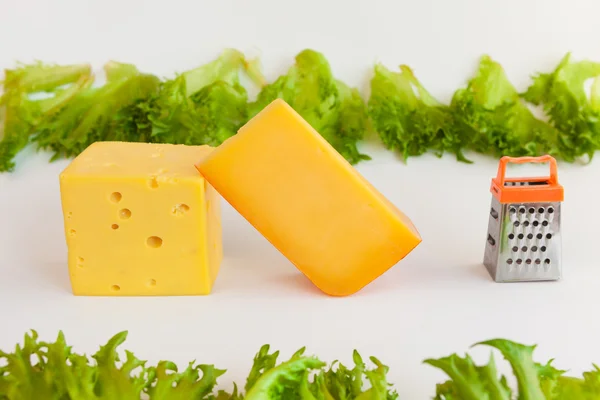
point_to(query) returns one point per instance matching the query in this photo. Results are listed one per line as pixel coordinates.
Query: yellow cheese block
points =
(309, 202)
(139, 220)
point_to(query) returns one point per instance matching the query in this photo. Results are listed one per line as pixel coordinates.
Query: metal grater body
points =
(523, 242)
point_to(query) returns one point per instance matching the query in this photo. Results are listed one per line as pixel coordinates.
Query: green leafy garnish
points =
(574, 114)
(20, 114)
(209, 104)
(495, 121)
(205, 105)
(39, 370)
(409, 119)
(535, 381)
(335, 110)
(93, 114)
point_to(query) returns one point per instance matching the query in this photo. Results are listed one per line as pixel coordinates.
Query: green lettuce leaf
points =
(335, 110)
(205, 105)
(25, 375)
(494, 119)
(342, 383)
(569, 388)
(117, 381)
(40, 370)
(269, 381)
(52, 371)
(20, 114)
(468, 381)
(409, 119)
(562, 95)
(535, 381)
(263, 361)
(196, 382)
(93, 114)
(525, 369)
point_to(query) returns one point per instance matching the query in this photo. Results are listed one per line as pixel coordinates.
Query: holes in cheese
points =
(72, 232)
(115, 288)
(180, 209)
(153, 182)
(115, 197)
(125, 213)
(154, 242)
(80, 261)
(152, 282)
(114, 226)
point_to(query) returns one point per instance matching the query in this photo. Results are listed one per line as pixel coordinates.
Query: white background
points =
(439, 300)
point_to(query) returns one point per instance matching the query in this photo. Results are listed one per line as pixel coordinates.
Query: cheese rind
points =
(140, 221)
(309, 202)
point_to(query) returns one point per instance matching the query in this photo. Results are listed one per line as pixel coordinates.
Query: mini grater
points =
(524, 241)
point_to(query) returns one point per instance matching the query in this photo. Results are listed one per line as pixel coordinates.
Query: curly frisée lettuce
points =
(335, 110)
(495, 120)
(92, 114)
(574, 114)
(535, 381)
(487, 116)
(20, 114)
(205, 105)
(208, 104)
(408, 118)
(42, 370)
(53, 371)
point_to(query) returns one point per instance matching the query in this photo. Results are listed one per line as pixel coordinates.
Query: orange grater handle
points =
(522, 160)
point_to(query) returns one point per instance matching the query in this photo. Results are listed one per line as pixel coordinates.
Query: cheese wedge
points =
(308, 201)
(140, 221)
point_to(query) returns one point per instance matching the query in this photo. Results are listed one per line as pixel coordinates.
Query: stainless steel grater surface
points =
(524, 240)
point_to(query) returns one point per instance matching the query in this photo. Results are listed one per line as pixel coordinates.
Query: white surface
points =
(437, 301)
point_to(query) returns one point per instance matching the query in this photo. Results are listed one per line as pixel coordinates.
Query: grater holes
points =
(548, 236)
(528, 261)
(512, 210)
(535, 223)
(538, 261)
(524, 249)
(521, 236)
(543, 248)
(494, 213)
(531, 210)
(509, 261)
(547, 261)
(530, 236)
(550, 210)
(511, 236)
(525, 223)
(515, 249)
(544, 223)
(521, 210)
(517, 223)
(519, 261)
(539, 236)
(534, 248)
(491, 240)
(541, 210)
